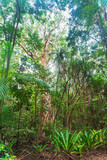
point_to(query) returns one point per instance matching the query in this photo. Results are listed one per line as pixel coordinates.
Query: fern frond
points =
(29, 78)
(3, 87)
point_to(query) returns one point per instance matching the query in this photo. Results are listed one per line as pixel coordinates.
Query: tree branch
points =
(29, 54)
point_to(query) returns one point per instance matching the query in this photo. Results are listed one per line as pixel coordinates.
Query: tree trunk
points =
(44, 59)
(18, 135)
(0, 110)
(0, 121)
(46, 115)
(8, 62)
(41, 120)
(35, 106)
(14, 39)
(68, 103)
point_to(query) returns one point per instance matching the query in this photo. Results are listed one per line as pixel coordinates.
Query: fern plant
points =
(40, 148)
(90, 139)
(65, 140)
(29, 78)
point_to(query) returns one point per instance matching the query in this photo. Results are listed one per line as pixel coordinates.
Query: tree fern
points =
(29, 78)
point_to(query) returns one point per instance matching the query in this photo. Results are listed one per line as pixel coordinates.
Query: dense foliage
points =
(53, 74)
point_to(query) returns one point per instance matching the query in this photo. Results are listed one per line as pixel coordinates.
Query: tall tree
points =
(43, 47)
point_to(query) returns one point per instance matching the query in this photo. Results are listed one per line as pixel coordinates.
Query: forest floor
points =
(99, 154)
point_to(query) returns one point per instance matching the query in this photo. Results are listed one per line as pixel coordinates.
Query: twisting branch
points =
(71, 109)
(50, 32)
(79, 88)
(94, 39)
(28, 53)
(45, 33)
(102, 71)
(57, 110)
(44, 57)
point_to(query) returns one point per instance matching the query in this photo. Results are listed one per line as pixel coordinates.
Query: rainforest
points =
(53, 79)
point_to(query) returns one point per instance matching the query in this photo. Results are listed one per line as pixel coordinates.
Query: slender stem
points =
(35, 105)
(18, 136)
(8, 62)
